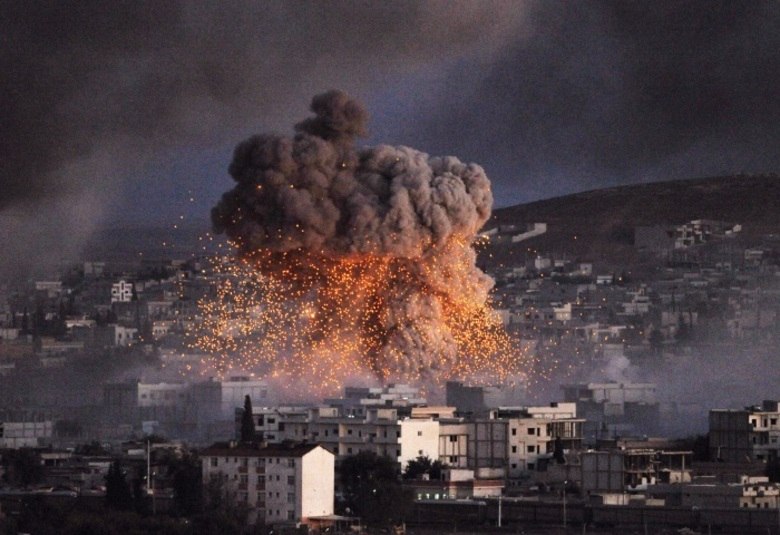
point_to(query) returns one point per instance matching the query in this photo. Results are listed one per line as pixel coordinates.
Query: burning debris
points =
(354, 258)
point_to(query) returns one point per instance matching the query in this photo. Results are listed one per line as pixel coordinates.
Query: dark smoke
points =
(94, 93)
(317, 192)
(604, 93)
(302, 203)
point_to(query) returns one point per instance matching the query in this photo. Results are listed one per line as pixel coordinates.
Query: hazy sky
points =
(124, 111)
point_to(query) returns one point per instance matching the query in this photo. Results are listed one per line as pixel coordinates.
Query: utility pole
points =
(499, 511)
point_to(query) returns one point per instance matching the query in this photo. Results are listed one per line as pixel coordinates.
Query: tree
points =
(187, 484)
(372, 489)
(656, 340)
(118, 495)
(422, 466)
(247, 422)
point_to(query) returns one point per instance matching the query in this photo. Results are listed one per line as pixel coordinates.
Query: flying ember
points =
(352, 260)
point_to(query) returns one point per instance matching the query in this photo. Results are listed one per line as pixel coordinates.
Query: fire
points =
(351, 260)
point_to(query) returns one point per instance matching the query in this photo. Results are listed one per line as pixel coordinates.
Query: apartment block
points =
(279, 484)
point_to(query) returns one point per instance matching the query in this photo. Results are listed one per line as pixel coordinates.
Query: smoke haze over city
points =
(121, 114)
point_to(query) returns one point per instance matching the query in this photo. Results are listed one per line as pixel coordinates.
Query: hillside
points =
(598, 225)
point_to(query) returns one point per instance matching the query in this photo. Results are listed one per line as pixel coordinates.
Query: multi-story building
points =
(25, 434)
(538, 434)
(750, 434)
(619, 471)
(122, 292)
(278, 484)
(357, 400)
(615, 408)
(454, 443)
(380, 430)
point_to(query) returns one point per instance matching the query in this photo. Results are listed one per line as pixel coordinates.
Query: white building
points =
(380, 431)
(533, 433)
(25, 434)
(279, 484)
(122, 292)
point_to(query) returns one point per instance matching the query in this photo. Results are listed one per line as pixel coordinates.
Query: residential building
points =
(750, 434)
(279, 484)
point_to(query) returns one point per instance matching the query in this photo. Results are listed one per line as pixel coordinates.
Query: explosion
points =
(352, 260)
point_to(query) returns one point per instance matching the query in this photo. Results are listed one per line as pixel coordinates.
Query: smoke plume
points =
(377, 240)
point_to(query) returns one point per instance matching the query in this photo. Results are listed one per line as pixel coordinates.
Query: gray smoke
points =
(300, 203)
(95, 95)
(317, 192)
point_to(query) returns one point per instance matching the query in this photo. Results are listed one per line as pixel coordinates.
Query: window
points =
(214, 461)
(291, 463)
(514, 449)
(291, 480)
(260, 498)
(531, 431)
(349, 450)
(453, 438)
(290, 515)
(530, 466)
(290, 497)
(531, 449)
(244, 479)
(349, 431)
(453, 459)
(244, 497)
(271, 420)
(419, 433)
(514, 465)
(514, 432)
(773, 421)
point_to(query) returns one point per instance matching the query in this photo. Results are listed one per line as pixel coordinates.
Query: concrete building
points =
(357, 400)
(619, 471)
(122, 292)
(279, 484)
(454, 443)
(478, 400)
(535, 433)
(750, 434)
(163, 394)
(611, 409)
(26, 434)
(488, 441)
(379, 430)
(749, 493)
